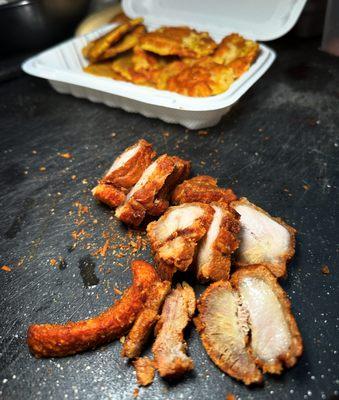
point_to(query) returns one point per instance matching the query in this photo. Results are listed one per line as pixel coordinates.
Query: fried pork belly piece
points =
(237, 53)
(203, 189)
(263, 239)
(169, 348)
(146, 320)
(59, 340)
(124, 173)
(168, 71)
(175, 235)
(103, 68)
(143, 198)
(145, 370)
(202, 79)
(214, 251)
(95, 50)
(275, 337)
(178, 41)
(223, 328)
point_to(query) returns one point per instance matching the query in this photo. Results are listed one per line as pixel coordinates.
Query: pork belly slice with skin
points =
(214, 251)
(169, 348)
(175, 235)
(108, 194)
(203, 189)
(142, 199)
(275, 337)
(223, 328)
(263, 239)
(145, 370)
(143, 325)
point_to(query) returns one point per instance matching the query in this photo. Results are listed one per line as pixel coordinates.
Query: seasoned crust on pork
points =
(130, 165)
(203, 189)
(275, 337)
(263, 238)
(213, 260)
(59, 340)
(149, 195)
(108, 194)
(175, 235)
(169, 348)
(222, 325)
(144, 323)
(178, 41)
(145, 370)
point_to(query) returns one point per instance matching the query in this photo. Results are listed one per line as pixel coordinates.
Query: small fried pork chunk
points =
(203, 189)
(175, 235)
(223, 327)
(263, 239)
(145, 370)
(237, 53)
(178, 41)
(169, 348)
(215, 249)
(95, 50)
(275, 337)
(124, 173)
(146, 320)
(143, 198)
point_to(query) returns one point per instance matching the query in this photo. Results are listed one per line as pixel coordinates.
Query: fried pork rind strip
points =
(178, 41)
(175, 235)
(169, 348)
(215, 249)
(143, 198)
(96, 49)
(263, 239)
(145, 370)
(54, 340)
(223, 329)
(124, 173)
(203, 189)
(275, 337)
(146, 320)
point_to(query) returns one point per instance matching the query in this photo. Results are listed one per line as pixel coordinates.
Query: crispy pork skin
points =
(108, 194)
(263, 239)
(175, 235)
(214, 252)
(145, 370)
(144, 323)
(275, 337)
(223, 327)
(203, 189)
(54, 340)
(169, 348)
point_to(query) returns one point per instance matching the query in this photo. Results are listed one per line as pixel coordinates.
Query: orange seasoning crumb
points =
(65, 155)
(202, 133)
(325, 270)
(81, 208)
(135, 392)
(6, 268)
(53, 261)
(42, 169)
(230, 396)
(117, 291)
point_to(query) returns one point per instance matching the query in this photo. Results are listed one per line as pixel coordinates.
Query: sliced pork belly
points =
(223, 327)
(275, 338)
(143, 325)
(263, 239)
(124, 173)
(214, 252)
(169, 348)
(203, 189)
(175, 235)
(142, 198)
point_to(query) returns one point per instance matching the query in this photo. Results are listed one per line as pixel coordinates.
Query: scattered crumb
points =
(325, 270)
(135, 392)
(42, 169)
(65, 155)
(6, 268)
(145, 370)
(73, 177)
(113, 134)
(306, 187)
(85, 181)
(117, 291)
(202, 133)
(53, 261)
(34, 152)
(165, 134)
(81, 208)
(122, 339)
(230, 396)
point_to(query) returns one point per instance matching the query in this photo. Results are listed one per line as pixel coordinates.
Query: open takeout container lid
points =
(255, 19)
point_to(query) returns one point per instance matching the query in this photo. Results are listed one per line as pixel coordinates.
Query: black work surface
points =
(278, 146)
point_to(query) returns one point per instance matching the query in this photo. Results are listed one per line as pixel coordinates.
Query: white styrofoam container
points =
(63, 64)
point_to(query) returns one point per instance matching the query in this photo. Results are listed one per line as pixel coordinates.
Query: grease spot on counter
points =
(87, 271)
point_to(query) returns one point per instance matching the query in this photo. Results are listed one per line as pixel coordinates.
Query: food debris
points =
(65, 155)
(230, 396)
(73, 177)
(53, 261)
(102, 250)
(165, 134)
(202, 133)
(325, 270)
(42, 169)
(81, 208)
(117, 291)
(135, 392)
(6, 268)
(306, 187)
(34, 152)
(122, 339)
(85, 181)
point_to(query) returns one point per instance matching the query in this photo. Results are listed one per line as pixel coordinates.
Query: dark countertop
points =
(278, 146)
